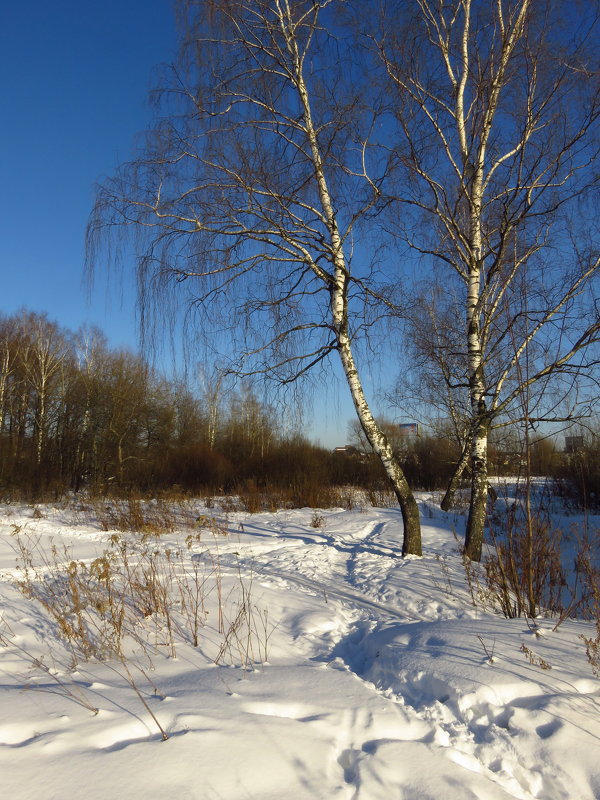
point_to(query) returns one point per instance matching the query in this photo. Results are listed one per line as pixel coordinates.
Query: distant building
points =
(347, 450)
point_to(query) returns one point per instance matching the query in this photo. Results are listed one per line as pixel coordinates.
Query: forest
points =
(76, 415)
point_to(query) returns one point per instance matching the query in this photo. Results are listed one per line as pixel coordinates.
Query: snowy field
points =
(344, 671)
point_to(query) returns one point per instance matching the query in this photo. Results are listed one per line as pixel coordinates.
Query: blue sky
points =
(75, 78)
(75, 82)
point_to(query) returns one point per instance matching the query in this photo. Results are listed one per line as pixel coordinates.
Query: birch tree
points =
(498, 109)
(7, 365)
(250, 192)
(42, 361)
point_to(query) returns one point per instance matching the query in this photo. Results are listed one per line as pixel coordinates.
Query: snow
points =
(353, 674)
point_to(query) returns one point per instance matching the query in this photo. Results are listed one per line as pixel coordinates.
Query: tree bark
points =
(411, 544)
(448, 499)
(477, 506)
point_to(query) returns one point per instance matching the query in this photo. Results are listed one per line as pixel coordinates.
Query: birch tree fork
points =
(249, 193)
(498, 103)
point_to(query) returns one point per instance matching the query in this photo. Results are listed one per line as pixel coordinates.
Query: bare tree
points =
(43, 359)
(8, 364)
(213, 389)
(250, 191)
(498, 115)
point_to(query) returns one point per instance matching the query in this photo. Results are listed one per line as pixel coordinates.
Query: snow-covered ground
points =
(376, 681)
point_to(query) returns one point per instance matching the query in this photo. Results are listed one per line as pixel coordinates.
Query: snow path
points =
(377, 684)
(279, 567)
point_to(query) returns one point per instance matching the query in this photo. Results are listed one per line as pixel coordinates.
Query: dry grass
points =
(152, 517)
(138, 601)
(523, 575)
(134, 592)
(591, 580)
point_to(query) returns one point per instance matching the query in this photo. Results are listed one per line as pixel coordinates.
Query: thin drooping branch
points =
(252, 189)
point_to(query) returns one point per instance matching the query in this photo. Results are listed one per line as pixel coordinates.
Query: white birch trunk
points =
(477, 505)
(4, 373)
(40, 422)
(339, 312)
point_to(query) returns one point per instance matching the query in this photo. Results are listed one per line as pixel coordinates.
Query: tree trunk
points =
(448, 499)
(40, 423)
(479, 422)
(4, 373)
(477, 506)
(411, 544)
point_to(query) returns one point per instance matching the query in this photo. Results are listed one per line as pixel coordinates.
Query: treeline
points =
(75, 414)
(429, 460)
(576, 471)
